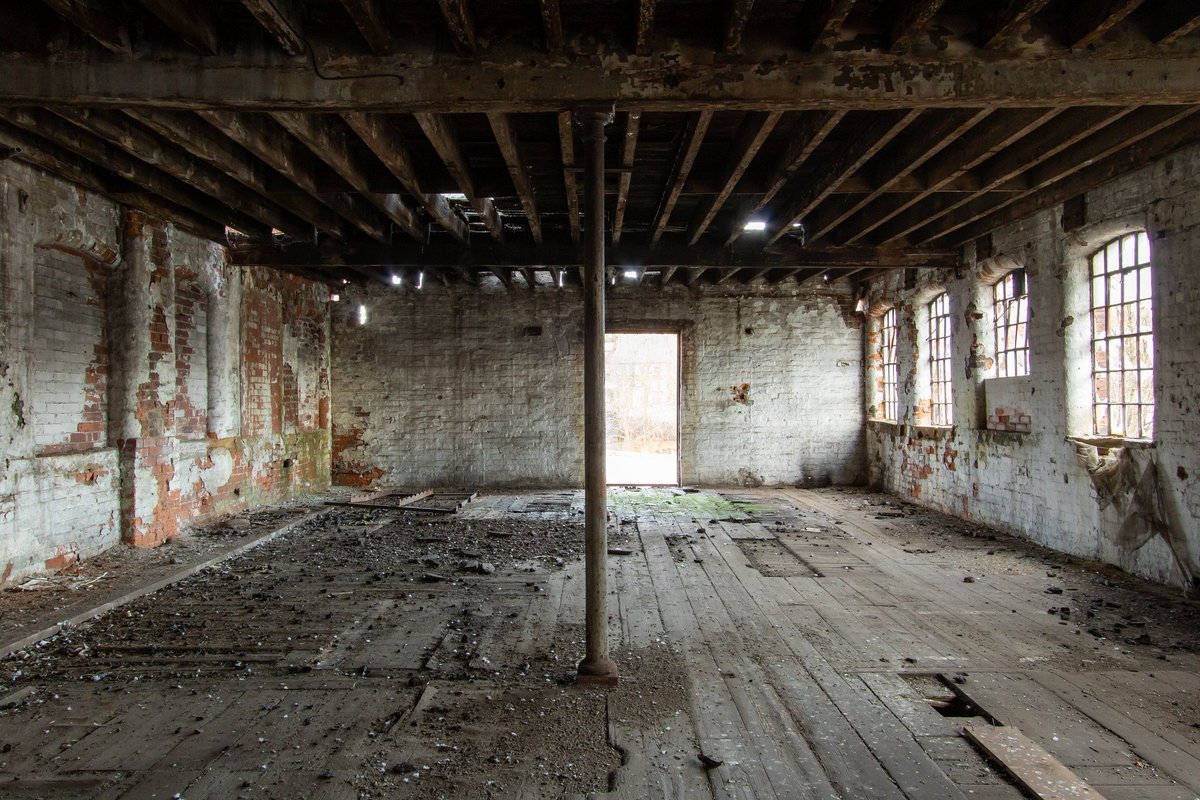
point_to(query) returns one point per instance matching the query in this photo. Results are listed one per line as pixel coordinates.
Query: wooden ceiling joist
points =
(552, 24)
(822, 22)
(178, 163)
(1007, 18)
(693, 137)
(751, 135)
(95, 18)
(820, 182)
(1089, 22)
(371, 19)
(645, 26)
(1175, 30)
(191, 22)
(282, 20)
(99, 152)
(518, 170)
(380, 136)
(273, 145)
(735, 27)
(216, 150)
(566, 143)
(441, 136)
(628, 150)
(911, 17)
(460, 24)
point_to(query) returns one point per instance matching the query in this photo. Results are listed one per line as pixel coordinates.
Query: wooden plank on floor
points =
(1034, 768)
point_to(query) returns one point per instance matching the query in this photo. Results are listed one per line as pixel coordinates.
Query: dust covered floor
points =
(771, 643)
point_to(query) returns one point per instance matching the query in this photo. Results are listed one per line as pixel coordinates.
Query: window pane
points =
(1123, 338)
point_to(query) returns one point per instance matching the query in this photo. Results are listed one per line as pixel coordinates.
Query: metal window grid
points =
(1011, 307)
(1122, 339)
(889, 364)
(939, 359)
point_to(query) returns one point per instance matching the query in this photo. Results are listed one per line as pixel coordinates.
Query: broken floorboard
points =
(372, 655)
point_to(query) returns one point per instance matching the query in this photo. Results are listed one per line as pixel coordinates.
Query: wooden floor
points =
(791, 637)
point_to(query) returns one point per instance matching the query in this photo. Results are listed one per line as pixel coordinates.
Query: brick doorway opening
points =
(641, 395)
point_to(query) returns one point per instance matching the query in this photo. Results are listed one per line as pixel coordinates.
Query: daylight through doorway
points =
(641, 397)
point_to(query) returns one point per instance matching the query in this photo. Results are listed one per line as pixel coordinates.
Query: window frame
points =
(889, 365)
(1011, 331)
(1101, 338)
(941, 384)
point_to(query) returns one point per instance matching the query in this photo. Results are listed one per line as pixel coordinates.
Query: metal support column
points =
(597, 667)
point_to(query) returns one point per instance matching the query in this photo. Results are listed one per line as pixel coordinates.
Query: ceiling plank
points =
(97, 20)
(845, 162)
(504, 274)
(822, 23)
(216, 150)
(910, 19)
(281, 19)
(1139, 155)
(1130, 129)
(487, 254)
(380, 136)
(1089, 22)
(461, 24)
(807, 137)
(844, 81)
(664, 277)
(97, 151)
(754, 130)
(999, 26)
(510, 149)
(1070, 127)
(189, 22)
(437, 129)
(330, 144)
(552, 22)
(566, 140)
(956, 162)
(178, 163)
(633, 120)
(692, 139)
(371, 19)
(271, 144)
(645, 26)
(934, 137)
(735, 26)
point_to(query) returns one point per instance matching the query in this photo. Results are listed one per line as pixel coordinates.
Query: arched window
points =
(939, 360)
(1010, 307)
(1122, 339)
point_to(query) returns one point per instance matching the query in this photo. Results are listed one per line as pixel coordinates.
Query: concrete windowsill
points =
(1113, 441)
(932, 431)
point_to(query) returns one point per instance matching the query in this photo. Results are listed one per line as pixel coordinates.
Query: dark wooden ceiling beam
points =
(822, 22)
(330, 144)
(821, 181)
(751, 135)
(216, 150)
(930, 140)
(735, 25)
(461, 24)
(566, 144)
(807, 137)
(1089, 22)
(844, 81)
(911, 18)
(1138, 155)
(178, 163)
(273, 145)
(1072, 126)
(1000, 24)
(633, 120)
(693, 137)
(1135, 127)
(486, 254)
(552, 24)
(282, 20)
(518, 170)
(439, 133)
(371, 19)
(189, 21)
(954, 163)
(1177, 29)
(98, 20)
(94, 149)
(645, 26)
(380, 136)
